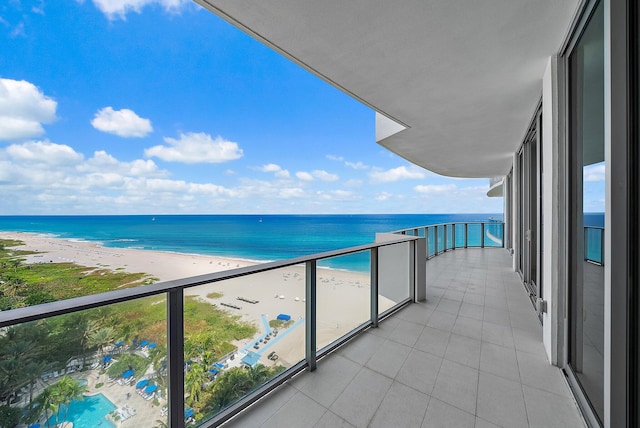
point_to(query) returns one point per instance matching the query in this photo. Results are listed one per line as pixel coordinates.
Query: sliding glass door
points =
(586, 213)
(529, 209)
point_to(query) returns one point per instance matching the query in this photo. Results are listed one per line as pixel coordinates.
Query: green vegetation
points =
(208, 398)
(214, 295)
(56, 398)
(31, 349)
(126, 362)
(31, 284)
(280, 324)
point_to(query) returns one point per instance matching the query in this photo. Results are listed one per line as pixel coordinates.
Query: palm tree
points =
(194, 380)
(45, 402)
(63, 392)
(101, 338)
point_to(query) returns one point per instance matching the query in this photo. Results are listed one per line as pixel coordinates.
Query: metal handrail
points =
(174, 291)
(439, 248)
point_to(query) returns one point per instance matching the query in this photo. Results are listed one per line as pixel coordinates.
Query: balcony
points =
(472, 355)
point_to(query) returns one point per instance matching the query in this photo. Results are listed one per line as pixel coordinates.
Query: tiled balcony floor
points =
(471, 356)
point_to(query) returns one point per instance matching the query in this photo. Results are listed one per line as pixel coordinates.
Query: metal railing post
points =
(426, 237)
(374, 287)
(175, 349)
(453, 236)
(466, 235)
(504, 238)
(445, 237)
(311, 313)
(585, 249)
(602, 247)
(435, 234)
(482, 239)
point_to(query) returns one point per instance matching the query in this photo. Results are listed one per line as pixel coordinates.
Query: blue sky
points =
(159, 106)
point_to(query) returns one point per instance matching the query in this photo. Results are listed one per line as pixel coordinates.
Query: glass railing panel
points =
(86, 368)
(493, 234)
(239, 334)
(459, 227)
(343, 296)
(431, 241)
(449, 236)
(474, 235)
(593, 250)
(394, 275)
(440, 238)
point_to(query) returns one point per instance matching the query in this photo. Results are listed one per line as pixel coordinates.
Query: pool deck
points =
(117, 394)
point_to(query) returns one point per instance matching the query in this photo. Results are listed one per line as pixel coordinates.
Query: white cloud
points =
(23, 110)
(320, 174)
(196, 148)
(353, 183)
(123, 123)
(292, 192)
(593, 173)
(304, 176)
(435, 188)
(383, 196)
(118, 9)
(101, 160)
(337, 195)
(354, 165)
(272, 167)
(44, 152)
(396, 174)
(323, 175)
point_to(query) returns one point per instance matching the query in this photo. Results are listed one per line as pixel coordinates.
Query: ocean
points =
(250, 237)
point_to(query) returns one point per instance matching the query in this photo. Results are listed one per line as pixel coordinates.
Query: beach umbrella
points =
(144, 343)
(119, 343)
(128, 373)
(107, 359)
(152, 345)
(36, 425)
(151, 388)
(213, 371)
(142, 383)
(219, 365)
(188, 413)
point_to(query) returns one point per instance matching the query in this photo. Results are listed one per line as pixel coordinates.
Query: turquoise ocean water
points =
(252, 237)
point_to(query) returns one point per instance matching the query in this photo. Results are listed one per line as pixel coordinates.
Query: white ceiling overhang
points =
(462, 76)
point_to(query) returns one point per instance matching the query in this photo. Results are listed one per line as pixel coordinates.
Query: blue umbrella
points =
(219, 365)
(144, 343)
(151, 388)
(128, 373)
(153, 345)
(107, 359)
(213, 371)
(142, 383)
(188, 413)
(119, 343)
(36, 425)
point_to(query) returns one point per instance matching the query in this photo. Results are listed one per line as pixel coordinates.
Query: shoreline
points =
(343, 297)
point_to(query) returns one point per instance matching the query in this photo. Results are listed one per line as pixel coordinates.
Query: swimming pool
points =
(88, 413)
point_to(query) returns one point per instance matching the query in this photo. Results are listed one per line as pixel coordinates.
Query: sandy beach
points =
(342, 296)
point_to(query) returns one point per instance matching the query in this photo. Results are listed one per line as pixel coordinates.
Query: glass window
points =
(587, 194)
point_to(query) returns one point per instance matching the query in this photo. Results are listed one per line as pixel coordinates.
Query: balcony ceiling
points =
(463, 76)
